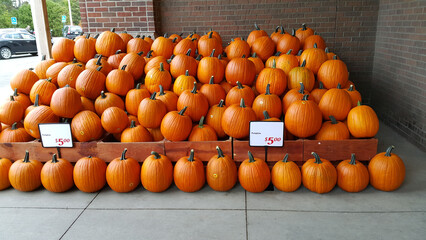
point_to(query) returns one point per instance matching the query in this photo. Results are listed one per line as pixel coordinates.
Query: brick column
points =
(133, 16)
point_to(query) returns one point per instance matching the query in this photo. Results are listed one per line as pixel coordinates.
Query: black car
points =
(71, 31)
(13, 43)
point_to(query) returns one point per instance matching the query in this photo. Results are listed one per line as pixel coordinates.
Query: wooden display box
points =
(202, 150)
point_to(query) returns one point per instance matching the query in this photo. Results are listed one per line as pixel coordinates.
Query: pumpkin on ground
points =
(4, 173)
(221, 172)
(57, 175)
(352, 176)
(254, 175)
(123, 174)
(286, 175)
(387, 171)
(189, 173)
(318, 174)
(24, 174)
(157, 172)
(90, 174)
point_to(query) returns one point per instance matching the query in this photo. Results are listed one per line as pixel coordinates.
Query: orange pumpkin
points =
(114, 120)
(314, 39)
(162, 47)
(238, 92)
(136, 133)
(258, 64)
(176, 126)
(100, 61)
(168, 98)
(240, 70)
(277, 34)
(333, 72)
(182, 62)
(123, 174)
(90, 83)
(254, 175)
(184, 45)
(189, 173)
(352, 176)
(86, 126)
(294, 95)
(135, 64)
(11, 112)
(255, 34)
(157, 172)
(363, 121)
(303, 118)
(221, 172)
(63, 50)
(45, 89)
(183, 82)
(24, 174)
(289, 42)
(314, 58)
(286, 175)
(237, 48)
(207, 43)
(57, 175)
(269, 102)
(275, 77)
(333, 130)
(196, 103)
(336, 102)
(319, 175)
(236, 120)
(107, 100)
(303, 33)
(53, 71)
(317, 93)
(66, 102)
(299, 75)
(84, 49)
(90, 174)
(208, 67)
(387, 171)
(41, 114)
(114, 60)
(264, 47)
(355, 95)
(136, 45)
(151, 112)
(202, 132)
(287, 62)
(108, 43)
(14, 134)
(155, 63)
(68, 75)
(134, 97)
(214, 118)
(156, 77)
(41, 67)
(4, 173)
(119, 81)
(213, 92)
(24, 80)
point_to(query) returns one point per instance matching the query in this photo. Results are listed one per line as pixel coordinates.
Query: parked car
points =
(71, 31)
(13, 43)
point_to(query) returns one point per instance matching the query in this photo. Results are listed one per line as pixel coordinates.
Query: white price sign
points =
(266, 134)
(55, 135)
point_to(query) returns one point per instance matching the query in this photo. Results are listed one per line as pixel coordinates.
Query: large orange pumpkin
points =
(196, 102)
(169, 98)
(66, 102)
(24, 80)
(336, 102)
(108, 43)
(86, 126)
(90, 83)
(189, 173)
(333, 72)
(41, 114)
(221, 172)
(318, 174)
(387, 171)
(63, 50)
(157, 172)
(24, 174)
(363, 121)
(176, 126)
(240, 70)
(90, 174)
(314, 39)
(303, 118)
(286, 175)
(352, 176)
(123, 174)
(236, 120)
(254, 175)
(57, 175)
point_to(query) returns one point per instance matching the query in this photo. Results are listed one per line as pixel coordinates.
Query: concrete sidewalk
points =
(207, 214)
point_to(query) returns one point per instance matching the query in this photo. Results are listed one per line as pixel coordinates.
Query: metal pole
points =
(69, 9)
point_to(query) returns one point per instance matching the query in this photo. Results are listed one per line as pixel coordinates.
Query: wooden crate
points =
(203, 150)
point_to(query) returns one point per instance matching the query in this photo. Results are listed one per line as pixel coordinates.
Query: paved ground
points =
(207, 214)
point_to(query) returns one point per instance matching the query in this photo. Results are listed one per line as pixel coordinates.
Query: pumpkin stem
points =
(358, 103)
(332, 119)
(12, 98)
(255, 26)
(162, 66)
(351, 88)
(103, 94)
(194, 89)
(123, 67)
(315, 45)
(36, 100)
(191, 156)
(97, 69)
(123, 154)
(133, 124)
(198, 57)
(54, 158)
(31, 69)
(305, 97)
(244, 56)
(268, 89)
(317, 158)
(188, 52)
(335, 57)
(303, 63)
(99, 60)
(161, 93)
(221, 103)
(174, 40)
(219, 152)
(253, 56)
(143, 37)
(212, 54)
(220, 56)
(299, 53)
(266, 115)
(153, 95)
(187, 73)
(67, 86)
(276, 29)
(277, 54)
(193, 39)
(201, 123)
(138, 86)
(327, 50)
(15, 92)
(140, 53)
(339, 86)
(210, 34)
(274, 63)
(165, 35)
(156, 155)
(352, 162)
(389, 151)
(149, 54)
(49, 79)
(251, 158)
(112, 29)
(183, 110)
(27, 157)
(14, 126)
(43, 57)
(96, 36)
(304, 26)
(75, 60)
(302, 88)
(321, 85)
(289, 51)
(285, 158)
(239, 85)
(211, 80)
(293, 32)
(138, 36)
(242, 103)
(282, 29)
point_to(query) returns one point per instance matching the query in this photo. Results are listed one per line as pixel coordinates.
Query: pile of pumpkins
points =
(386, 172)
(139, 89)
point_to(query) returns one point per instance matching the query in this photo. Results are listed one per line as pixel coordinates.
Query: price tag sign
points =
(266, 134)
(55, 135)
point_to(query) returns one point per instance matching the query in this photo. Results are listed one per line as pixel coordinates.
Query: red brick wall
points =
(134, 16)
(399, 72)
(349, 27)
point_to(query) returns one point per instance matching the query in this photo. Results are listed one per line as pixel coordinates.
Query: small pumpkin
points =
(90, 83)
(352, 176)
(156, 77)
(303, 33)
(4, 173)
(237, 48)
(66, 102)
(108, 43)
(183, 82)
(136, 133)
(221, 172)
(355, 95)
(294, 95)
(387, 171)
(286, 175)
(134, 97)
(314, 39)
(264, 47)
(114, 60)
(100, 61)
(314, 58)
(277, 34)
(176, 126)
(319, 175)
(333, 72)
(107, 100)
(258, 63)
(255, 34)
(14, 134)
(45, 89)
(253, 174)
(363, 121)
(287, 42)
(157, 172)
(135, 64)
(24, 80)
(119, 81)
(236, 120)
(275, 77)
(182, 62)
(238, 92)
(90, 174)
(189, 173)
(213, 92)
(123, 173)
(333, 130)
(196, 103)
(114, 120)
(84, 49)
(63, 50)
(317, 93)
(330, 55)
(57, 175)
(240, 70)
(24, 174)
(151, 112)
(303, 118)
(169, 98)
(207, 43)
(299, 75)
(336, 102)
(41, 114)
(214, 118)
(202, 132)
(69, 74)
(269, 102)
(86, 126)
(11, 111)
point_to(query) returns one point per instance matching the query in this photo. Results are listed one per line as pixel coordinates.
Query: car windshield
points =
(75, 28)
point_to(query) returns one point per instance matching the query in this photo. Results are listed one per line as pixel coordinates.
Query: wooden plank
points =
(294, 148)
(364, 149)
(41, 28)
(241, 147)
(203, 150)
